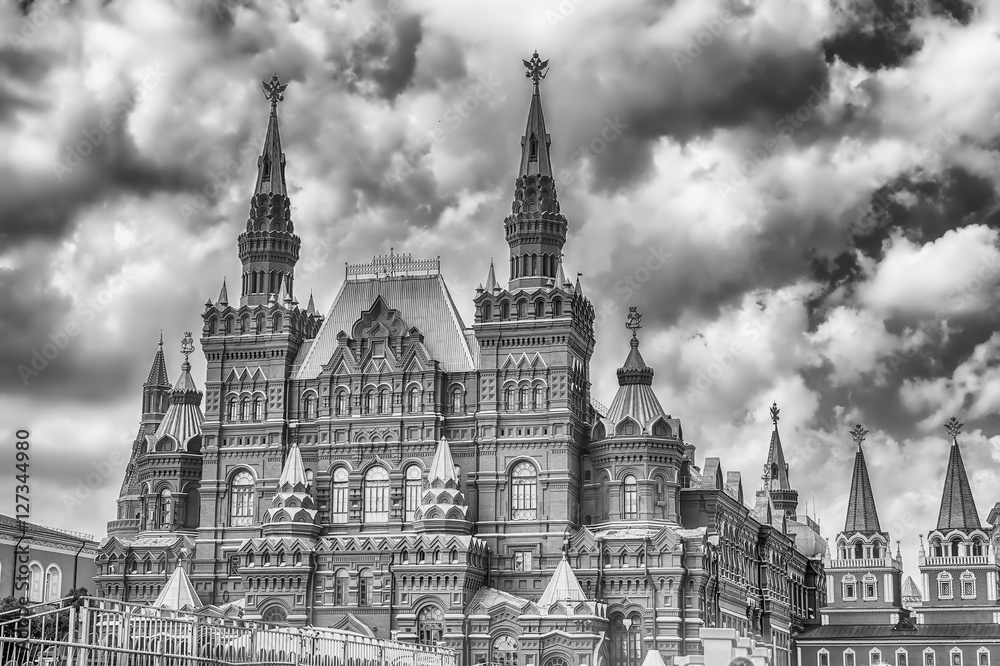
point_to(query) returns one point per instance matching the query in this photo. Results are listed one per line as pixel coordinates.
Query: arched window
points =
(365, 587)
(376, 495)
(192, 511)
(509, 398)
(245, 409)
(276, 323)
(457, 406)
(341, 587)
(53, 583)
(233, 408)
(230, 324)
(430, 625)
(504, 651)
(557, 307)
(341, 403)
(487, 311)
(504, 310)
(956, 545)
(539, 397)
(275, 614)
(241, 504)
(524, 482)
(936, 548)
(213, 326)
(539, 308)
(626, 637)
(850, 589)
(968, 582)
(870, 589)
(630, 498)
(977, 548)
(338, 496)
(944, 585)
(36, 591)
(859, 551)
(166, 518)
(258, 408)
(384, 404)
(413, 401)
(522, 309)
(524, 401)
(260, 323)
(370, 401)
(310, 406)
(875, 657)
(413, 486)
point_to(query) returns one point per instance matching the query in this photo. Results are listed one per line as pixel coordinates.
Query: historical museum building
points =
(58, 560)
(387, 469)
(872, 618)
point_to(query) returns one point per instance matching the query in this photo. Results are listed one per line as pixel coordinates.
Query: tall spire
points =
(491, 279)
(535, 229)
(269, 248)
(861, 513)
(784, 497)
(156, 389)
(158, 371)
(223, 295)
(958, 506)
(563, 586)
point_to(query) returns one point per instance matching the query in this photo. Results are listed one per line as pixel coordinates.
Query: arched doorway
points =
(504, 651)
(430, 625)
(275, 614)
(626, 639)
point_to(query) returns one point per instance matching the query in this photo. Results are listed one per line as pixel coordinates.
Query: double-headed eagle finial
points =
(953, 427)
(858, 434)
(187, 345)
(774, 412)
(272, 91)
(537, 68)
(634, 320)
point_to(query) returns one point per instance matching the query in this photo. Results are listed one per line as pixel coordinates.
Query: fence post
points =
(71, 635)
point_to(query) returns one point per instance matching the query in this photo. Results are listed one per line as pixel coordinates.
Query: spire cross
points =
(187, 345)
(858, 433)
(272, 92)
(633, 322)
(953, 427)
(537, 68)
(774, 412)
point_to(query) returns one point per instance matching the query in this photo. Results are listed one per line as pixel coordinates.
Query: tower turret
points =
(784, 497)
(156, 388)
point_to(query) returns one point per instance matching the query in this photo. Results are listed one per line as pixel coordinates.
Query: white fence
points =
(102, 632)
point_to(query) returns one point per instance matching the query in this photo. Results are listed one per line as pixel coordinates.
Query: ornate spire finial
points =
(766, 476)
(858, 433)
(272, 91)
(187, 345)
(774, 412)
(537, 68)
(953, 427)
(633, 322)
(161, 337)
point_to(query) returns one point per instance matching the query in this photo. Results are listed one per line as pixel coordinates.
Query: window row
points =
(44, 585)
(525, 398)
(521, 309)
(901, 657)
(260, 324)
(380, 401)
(958, 548)
(544, 265)
(967, 585)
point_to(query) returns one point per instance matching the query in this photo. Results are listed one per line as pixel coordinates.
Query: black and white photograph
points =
(500, 332)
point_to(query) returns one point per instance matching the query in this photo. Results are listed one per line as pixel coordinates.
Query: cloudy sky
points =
(799, 195)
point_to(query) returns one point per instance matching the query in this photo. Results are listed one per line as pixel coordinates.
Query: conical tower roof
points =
(183, 419)
(958, 506)
(443, 466)
(491, 280)
(563, 586)
(776, 457)
(293, 473)
(862, 515)
(271, 163)
(178, 593)
(536, 142)
(635, 397)
(158, 371)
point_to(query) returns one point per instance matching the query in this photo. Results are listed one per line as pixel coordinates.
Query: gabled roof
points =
(958, 506)
(178, 593)
(422, 301)
(861, 513)
(563, 586)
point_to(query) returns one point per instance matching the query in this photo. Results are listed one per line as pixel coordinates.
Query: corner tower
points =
(864, 582)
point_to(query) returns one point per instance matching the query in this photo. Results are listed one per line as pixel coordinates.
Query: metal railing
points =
(102, 632)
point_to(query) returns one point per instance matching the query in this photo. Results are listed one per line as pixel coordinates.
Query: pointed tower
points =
(442, 507)
(269, 248)
(785, 499)
(156, 388)
(959, 574)
(864, 582)
(535, 229)
(293, 509)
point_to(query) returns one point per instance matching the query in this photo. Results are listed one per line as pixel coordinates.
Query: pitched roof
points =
(861, 513)
(423, 301)
(178, 593)
(958, 506)
(443, 465)
(272, 179)
(910, 588)
(158, 371)
(635, 397)
(293, 472)
(537, 162)
(776, 464)
(563, 586)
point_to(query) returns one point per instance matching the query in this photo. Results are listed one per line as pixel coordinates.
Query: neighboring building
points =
(388, 470)
(59, 560)
(871, 619)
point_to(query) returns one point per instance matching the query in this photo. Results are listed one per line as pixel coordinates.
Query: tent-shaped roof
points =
(178, 593)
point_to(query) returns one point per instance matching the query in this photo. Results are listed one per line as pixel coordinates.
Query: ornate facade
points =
(874, 618)
(389, 470)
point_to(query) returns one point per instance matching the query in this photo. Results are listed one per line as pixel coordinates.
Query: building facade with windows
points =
(386, 469)
(873, 619)
(59, 560)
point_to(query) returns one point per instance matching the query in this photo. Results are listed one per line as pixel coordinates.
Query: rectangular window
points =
(956, 659)
(849, 591)
(984, 659)
(968, 589)
(869, 590)
(848, 659)
(874, 658)
(901, 659)
(928, 659)
(824, 659)
(944, 589)
(522, 561)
